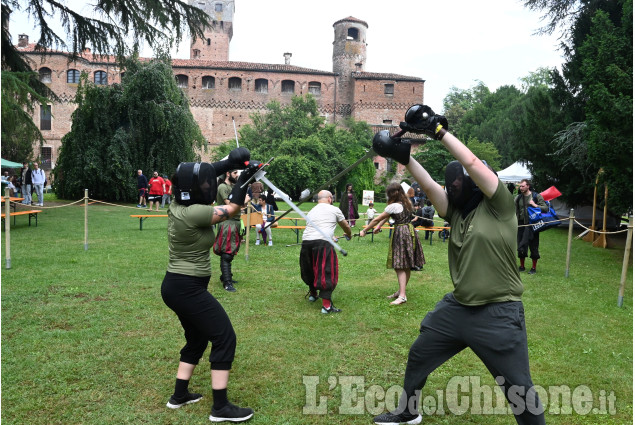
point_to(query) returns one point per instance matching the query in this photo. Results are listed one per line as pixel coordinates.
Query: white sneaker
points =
(270, 243)
(258, 242)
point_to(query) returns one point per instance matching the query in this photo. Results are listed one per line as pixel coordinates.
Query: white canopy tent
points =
(514, 173)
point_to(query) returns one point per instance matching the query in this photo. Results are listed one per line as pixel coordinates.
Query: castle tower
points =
(215, 45)
(349, 55)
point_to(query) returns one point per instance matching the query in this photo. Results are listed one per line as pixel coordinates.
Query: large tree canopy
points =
(115, 27)
(144, 123)
(307, 152)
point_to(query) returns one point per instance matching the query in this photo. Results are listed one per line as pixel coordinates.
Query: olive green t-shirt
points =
(222, 193)
(190, 238)
(482, 251)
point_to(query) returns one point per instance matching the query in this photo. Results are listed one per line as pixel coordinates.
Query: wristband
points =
(440, 132)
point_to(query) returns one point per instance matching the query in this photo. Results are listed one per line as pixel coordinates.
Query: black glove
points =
(237, 160)
(239, 191)
(421, 119)
(392, 147)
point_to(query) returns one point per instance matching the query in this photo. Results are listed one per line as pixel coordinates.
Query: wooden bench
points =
(142, 218)
(30, 213)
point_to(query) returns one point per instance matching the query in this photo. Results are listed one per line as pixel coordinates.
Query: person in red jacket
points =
(167, 194)
(157, 189)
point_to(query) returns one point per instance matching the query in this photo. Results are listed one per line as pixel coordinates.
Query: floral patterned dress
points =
(405, 249)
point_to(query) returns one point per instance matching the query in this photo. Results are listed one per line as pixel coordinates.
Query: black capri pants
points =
(203, 319)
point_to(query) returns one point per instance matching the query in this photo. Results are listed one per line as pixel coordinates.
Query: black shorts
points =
(152, 197)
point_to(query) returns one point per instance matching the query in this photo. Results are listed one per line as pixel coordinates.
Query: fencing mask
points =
(462, 192)
(195, 183)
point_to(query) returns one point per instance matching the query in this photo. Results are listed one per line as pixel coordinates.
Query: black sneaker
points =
(229, 287)
(532, 271)
(333, 309)
(402, 418)
(189, 398)
(231, 413)
(312, 297)
(521, 269)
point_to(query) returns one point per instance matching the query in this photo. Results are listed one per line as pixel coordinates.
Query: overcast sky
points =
(447, 43)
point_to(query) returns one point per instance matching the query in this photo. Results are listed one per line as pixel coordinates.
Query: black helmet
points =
(195, 183)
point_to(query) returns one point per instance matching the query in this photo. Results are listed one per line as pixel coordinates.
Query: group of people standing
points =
(157, 190)
(484, 312)
(26, 182)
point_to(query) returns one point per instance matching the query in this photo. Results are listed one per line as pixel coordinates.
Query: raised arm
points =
(237, 197)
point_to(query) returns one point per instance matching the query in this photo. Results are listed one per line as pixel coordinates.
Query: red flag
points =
(551, 193)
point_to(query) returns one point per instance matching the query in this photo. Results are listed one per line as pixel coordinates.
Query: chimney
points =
(23, 40)
(358, 67)
(287, 58)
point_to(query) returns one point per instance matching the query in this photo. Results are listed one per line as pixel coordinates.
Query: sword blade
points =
(294, 207)
(367, 155)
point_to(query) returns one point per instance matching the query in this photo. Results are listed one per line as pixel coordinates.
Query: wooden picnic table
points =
(14, 201)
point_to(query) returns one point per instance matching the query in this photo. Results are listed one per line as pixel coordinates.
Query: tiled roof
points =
(383, 76)
(351, 19)
(246, 66)
(193, 63)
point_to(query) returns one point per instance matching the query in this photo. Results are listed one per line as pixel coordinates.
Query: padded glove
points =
(421, 119)
(392, 147)
(238, 191)
(237, 160)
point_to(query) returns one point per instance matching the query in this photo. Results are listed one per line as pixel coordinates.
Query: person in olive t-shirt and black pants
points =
(484, 312)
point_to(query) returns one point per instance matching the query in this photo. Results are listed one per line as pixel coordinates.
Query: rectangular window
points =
(46, 154)
(315, 88)
(389, 89)
(218, 7)
(45, 117)
(387, 122)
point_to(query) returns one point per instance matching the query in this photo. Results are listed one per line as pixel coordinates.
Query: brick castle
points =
(223, 92)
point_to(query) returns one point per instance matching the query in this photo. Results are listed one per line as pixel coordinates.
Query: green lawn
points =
(86, 338)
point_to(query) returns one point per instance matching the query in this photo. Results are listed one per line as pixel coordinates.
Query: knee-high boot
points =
(226, 268)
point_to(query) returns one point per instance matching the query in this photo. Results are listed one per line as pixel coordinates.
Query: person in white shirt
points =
(318, 260)
(38, 178)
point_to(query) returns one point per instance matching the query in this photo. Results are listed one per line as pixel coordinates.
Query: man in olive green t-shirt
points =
(484, 312)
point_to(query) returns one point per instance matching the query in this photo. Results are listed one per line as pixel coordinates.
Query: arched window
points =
(353, 34)
(209, 41)
(197, 53)
(101, 78)
(45, 75)
(72, 76)
(235, 83)
(315, 88)
(288, 86)
(209, 82)
(181, 81)
(262, 85)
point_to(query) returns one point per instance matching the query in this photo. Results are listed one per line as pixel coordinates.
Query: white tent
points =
(514, 173)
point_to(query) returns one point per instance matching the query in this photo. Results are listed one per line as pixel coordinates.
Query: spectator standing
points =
(427, 213)
(405, 252)
(526, 236)
(268, 216)
(27, 183)
(349, 204)
(157, 189)
(39, 179)
(318, 260)
(142, 188)
(271, 200)
(370, 212)
(167, 194)
(256, 189)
